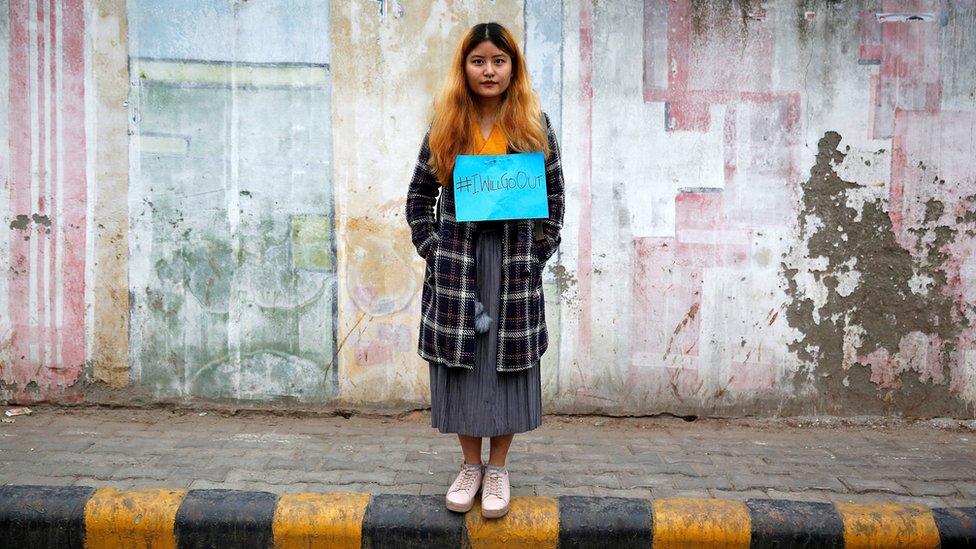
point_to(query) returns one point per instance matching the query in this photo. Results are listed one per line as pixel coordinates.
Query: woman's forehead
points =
(487, 49)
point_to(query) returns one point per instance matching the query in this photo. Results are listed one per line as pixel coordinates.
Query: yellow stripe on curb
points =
(132, 518)
(531, 521)
(700, 522)
(320, 520)
(888, 525)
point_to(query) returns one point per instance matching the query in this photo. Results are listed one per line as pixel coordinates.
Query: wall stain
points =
(882, 302)
(380, 276)
(702, 11)
(689, 316)
(20, 222)
(564, 279)
(969, 216)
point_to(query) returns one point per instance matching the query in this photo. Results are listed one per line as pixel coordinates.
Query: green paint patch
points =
(223, 315)
(20, 222)
(311, 243)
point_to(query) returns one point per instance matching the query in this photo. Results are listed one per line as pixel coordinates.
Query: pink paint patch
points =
(702, 239)
(869, 28)
(584, 234)
(668, 275)
(933, 371)
(684, 381)
(910, 76)
(698, 211)
(884, 374)
(916, 353)
(666, 303)
(46, 297)
(684, 115)
(397, 335)
(932, 159)
(364, 294)
(752, 376)
(374, 353)
(963, 363)
(932, 163)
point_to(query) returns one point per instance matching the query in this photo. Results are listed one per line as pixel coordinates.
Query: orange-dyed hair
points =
(519, 117)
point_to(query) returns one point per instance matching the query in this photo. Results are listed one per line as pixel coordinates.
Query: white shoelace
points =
(467, 478)
(494, 484)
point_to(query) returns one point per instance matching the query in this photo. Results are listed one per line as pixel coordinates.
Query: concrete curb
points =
(75, 516)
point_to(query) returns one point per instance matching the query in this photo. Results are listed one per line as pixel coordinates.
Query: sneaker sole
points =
(457, 507)
(494, 514)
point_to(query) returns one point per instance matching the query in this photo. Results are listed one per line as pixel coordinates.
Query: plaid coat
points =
(447, 301)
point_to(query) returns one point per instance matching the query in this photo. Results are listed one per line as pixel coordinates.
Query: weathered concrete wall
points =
(769, 204)
(232, 270)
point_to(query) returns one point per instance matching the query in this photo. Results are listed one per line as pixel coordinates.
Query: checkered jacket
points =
(448, 296)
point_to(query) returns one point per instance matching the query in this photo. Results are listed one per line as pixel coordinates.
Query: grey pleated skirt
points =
(484, 402)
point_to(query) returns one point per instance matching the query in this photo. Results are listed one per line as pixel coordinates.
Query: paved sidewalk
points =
(928, 462)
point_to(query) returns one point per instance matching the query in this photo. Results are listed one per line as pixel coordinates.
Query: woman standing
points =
(482, 325)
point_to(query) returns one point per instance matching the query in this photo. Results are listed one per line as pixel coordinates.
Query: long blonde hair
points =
(519, 115)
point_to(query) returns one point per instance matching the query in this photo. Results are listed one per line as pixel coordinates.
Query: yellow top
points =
(496, 143)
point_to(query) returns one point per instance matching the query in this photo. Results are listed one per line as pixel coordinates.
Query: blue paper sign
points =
(504, 186)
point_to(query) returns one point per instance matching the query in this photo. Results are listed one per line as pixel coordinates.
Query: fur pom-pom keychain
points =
(482, 322)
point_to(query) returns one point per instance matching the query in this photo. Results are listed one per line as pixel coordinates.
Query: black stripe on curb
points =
(51, 516)
(778, 523)
(43, 516)
(225, 519)
(421, 522)
(595, 522)
(957, 526)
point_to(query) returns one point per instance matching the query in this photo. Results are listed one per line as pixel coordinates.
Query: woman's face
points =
(489, 71)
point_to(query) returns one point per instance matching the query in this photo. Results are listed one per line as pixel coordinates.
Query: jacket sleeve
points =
(552, 226)
(421, 198)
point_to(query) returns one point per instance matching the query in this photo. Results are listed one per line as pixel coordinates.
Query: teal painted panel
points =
(224, 160)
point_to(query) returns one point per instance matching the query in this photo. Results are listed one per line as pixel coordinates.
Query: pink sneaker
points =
(495, 492)
(461, 495)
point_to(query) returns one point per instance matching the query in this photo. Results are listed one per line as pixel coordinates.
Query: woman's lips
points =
(488, 83)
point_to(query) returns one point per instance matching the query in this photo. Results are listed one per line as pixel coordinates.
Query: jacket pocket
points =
(535, 262)
(431, 260)
(536, 268)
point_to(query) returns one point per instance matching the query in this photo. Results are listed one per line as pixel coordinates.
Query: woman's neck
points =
(487, 109)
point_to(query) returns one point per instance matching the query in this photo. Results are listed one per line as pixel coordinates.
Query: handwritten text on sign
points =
(503, 186)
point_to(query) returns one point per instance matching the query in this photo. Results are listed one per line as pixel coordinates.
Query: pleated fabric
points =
(484, 402)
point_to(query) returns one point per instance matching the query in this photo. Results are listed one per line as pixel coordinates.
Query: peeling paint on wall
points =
(874, 340)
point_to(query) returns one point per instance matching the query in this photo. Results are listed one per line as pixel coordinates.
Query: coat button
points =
(522, 237)
(444, 233)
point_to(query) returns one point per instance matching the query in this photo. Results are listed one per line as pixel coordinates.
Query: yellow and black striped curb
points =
(77, 516)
